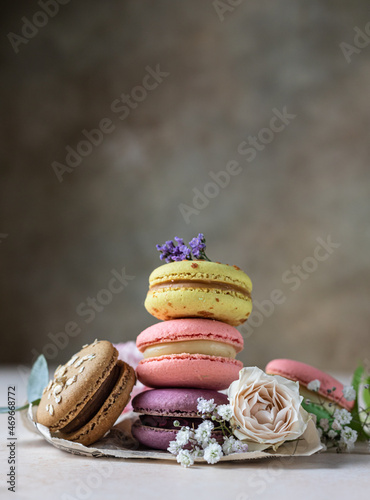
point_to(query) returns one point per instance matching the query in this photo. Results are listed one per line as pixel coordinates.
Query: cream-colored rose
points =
(266, 409)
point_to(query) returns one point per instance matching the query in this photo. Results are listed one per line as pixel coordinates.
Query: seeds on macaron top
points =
(87, 394)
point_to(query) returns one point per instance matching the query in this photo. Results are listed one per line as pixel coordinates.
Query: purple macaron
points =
(159, 408)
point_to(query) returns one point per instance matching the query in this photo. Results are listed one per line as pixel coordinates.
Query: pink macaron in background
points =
(304, 374)
(212, 365)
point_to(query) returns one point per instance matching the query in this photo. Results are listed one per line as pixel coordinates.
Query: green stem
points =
(5, 409)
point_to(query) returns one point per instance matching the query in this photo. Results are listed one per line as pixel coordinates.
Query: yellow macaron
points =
(199, 289)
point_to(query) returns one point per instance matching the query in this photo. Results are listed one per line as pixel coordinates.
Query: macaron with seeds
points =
(87, 394)
(189, 352)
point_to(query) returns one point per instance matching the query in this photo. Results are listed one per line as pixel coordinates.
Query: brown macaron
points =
(87, 394)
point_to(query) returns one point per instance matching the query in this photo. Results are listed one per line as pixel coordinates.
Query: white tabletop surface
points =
(48, 473)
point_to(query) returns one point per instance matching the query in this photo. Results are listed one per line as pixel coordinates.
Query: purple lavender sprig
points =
(172, 252)
(198, 246)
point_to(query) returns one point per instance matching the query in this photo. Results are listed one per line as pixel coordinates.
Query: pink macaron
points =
(189, 352)
(304, 374)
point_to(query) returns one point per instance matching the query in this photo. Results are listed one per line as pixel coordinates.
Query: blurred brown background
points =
(231, 67)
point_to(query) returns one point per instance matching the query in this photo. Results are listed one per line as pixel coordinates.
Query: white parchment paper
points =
(119, 443)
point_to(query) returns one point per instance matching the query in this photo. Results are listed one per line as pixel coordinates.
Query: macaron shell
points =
(152, 437)
(110, 410)
(190, 329)
(174, 402)
(229, 307)
(304, 374)
(160, 438)
(205, 299)
(189, 370)
(201, 269)
(82, 376)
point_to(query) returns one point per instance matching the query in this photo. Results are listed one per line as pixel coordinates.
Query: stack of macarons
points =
(191, 352)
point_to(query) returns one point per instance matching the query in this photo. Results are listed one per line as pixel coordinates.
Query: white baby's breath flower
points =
(332, 434)
(240, 447)
(197, 452)
(320, 432)
(314, 385)
(206, 406)
(343, 416)
(185, 458)
(174, 447)
(324, 424)
(213, 453)
(348, 437)
(228, 446)
(203, 432)
(233, 445)
(225, 412)
(183, 436)
(349, 393)
(336, 426)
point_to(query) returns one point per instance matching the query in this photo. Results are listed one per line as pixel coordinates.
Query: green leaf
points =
(366, 392)
(5, 409)
(38, 379)
(356, 422)
(357, 425)
(317, 410)
(356, 380)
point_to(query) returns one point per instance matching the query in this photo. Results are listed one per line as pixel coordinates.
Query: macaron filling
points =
(207, 347)
(164, 422)
(207, 284)
(315, 398)
(92, 407)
